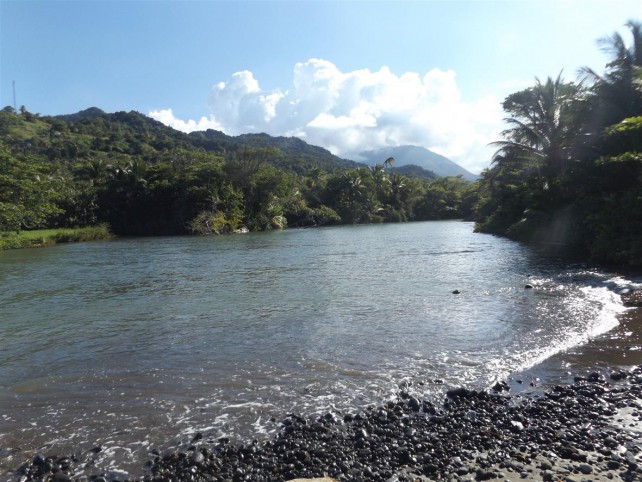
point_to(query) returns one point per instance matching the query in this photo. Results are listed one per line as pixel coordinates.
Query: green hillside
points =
(143, 178)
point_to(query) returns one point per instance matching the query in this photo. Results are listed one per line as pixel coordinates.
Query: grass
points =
(48, 237)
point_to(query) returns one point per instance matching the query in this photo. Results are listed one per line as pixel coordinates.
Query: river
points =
(136, 344)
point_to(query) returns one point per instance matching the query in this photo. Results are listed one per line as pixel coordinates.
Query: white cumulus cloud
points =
(350, 112)
(166, 116)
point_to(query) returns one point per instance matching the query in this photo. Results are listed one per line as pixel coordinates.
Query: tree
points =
(96, 171)
(381, 182)
(617, 93)
(352, 195)
(543, 136)
(28, 194)
(243, 164)
(397, 190)
(442, 199)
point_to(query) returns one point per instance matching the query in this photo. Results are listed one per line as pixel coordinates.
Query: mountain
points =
(413, 170)
(90, 113)
(93, 133)
(297, 155)
(132, 133)
(419, 156)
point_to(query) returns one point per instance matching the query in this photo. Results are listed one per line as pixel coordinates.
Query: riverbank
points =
(48, 237)
(620, 347)
(589, 429)
(153, 405)
(586, 426)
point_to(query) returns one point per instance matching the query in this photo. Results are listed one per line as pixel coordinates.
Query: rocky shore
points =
(590, 429)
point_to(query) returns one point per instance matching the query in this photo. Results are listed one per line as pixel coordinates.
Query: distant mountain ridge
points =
(297, 155)
(418, 156)
(90, 113)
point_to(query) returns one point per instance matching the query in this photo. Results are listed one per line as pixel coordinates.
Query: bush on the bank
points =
(208, 222)
(46, 237)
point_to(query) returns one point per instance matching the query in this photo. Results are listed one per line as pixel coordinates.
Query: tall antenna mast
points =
(14, 96)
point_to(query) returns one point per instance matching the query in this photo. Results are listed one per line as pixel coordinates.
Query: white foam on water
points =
(242, 408)
(598, 308)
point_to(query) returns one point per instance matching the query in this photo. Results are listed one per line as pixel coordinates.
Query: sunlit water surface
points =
(139, 343)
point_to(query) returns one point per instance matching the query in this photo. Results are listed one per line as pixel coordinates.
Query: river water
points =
(137, 344)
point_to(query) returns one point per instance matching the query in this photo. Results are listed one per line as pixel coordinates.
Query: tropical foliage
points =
(568, 171)
(143, 178)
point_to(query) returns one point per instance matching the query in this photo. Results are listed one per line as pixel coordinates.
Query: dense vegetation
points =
(568, 171)
(143, 178)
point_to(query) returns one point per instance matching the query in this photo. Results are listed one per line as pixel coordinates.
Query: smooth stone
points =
(361, 434)
(501, 387)
(60, 476)
(459, 392)
(196, 458)
(414, 404)
(585, 468)
(545, 465)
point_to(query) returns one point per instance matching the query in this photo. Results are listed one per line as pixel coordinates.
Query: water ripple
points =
(137, 343)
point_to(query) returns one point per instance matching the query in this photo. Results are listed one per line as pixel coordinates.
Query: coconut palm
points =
(380, 179)
(617, 91)
(353, 192)
(96, 171)
(544, 128)
(397, 190)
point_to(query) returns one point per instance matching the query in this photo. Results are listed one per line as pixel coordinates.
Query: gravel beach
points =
(588, 428)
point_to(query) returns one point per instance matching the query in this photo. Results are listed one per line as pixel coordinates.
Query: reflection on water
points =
(137, 343)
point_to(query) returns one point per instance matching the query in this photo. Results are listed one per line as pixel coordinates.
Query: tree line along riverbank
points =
(567, 172)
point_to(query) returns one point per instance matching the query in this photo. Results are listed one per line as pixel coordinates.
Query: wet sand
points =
(620, 347)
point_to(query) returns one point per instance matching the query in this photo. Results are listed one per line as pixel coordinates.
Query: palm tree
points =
(138, 171)
(353, 184)
(96, 171)
(397, 190)
(316, 177)
(544, 128)
(388, 162)
(353, 192)
(380, 179)
(617, 91)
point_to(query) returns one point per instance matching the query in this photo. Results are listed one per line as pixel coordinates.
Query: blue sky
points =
(347, 75)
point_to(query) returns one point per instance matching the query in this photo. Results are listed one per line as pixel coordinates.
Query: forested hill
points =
(92, 132)
(144, 178)
(296, 154)
(567, 172)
